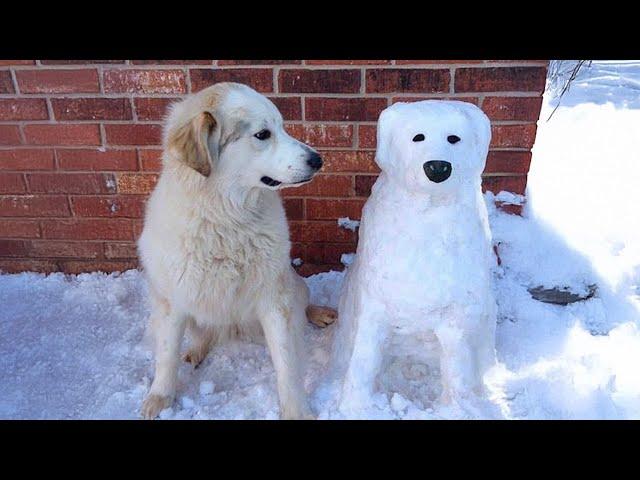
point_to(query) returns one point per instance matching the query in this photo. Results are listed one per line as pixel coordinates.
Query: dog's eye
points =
(418, 138)
(263, 134)
(453, 139)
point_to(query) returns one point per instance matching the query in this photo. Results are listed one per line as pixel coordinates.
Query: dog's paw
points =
(154, 404)
(194, 356)
(321, 316)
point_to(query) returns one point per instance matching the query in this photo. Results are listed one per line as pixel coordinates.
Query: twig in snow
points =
(572, 77)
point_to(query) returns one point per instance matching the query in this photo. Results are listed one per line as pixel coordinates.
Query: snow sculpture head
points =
(433, 146)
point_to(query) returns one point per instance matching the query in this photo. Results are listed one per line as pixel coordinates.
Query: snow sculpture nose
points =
(437, 170)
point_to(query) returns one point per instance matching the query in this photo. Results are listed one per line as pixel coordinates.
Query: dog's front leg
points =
(282, 331)
(169, 330)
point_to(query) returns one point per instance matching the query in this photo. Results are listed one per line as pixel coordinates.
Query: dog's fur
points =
(215, 245)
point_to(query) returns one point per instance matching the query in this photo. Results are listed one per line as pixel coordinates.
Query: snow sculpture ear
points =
(386, 124)
(481, 129)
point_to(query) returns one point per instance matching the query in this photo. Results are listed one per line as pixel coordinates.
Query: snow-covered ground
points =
(76, 347)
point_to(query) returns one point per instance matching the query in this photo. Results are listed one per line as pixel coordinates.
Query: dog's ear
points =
(191, 143)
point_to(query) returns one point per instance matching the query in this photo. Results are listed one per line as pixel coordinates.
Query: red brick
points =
(260, 79)
(34, 206)
(6, 63)
(435, 62)
(120, 250)
(76, 267)
(89, 159)
(500, 79)
(58, 81)
(64, 249)
(290, 107)
(319, 81)
(259, 62)
(121, 134)
(515, 184)
(347, 62)
(10, 135)
(14, 248)
(407, 80)
(420, 98)
(88, 229)
(6, 83)
(512, 108)
(153, 108)
(308, 269)
(298, 250)
(294, 208)
(144, 81)
(91, 108)
(322, 135)
(513, 136)
(26, 159)
(111, 206)
(364, 184)
(23, 109)
(367, 136)
(506, 161)
(82, 183)
(21, 265)
(171, 62)
(67, 134)
(11, 183)
(344, 109)
(349, 161)
(320, 232)
(137, 228)
(509, 208)
(323, 186)
(79, 62)
(136, 183)
(333, 209)
(328, 253)
(150, 160)
(19, 228)
(529, 62)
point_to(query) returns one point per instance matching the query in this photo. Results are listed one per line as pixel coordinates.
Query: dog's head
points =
(231, 131)
(433, 145)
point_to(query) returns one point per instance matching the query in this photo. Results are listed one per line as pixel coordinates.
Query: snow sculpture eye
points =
(453, 139)
(418, 138)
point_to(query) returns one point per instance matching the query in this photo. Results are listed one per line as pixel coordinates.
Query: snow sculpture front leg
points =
(366, 357)
(468, 352)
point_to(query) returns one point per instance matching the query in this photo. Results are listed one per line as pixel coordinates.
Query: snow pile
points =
(75, 346)
(348, 224)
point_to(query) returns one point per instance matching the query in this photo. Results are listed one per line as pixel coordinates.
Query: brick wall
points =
(79, 144)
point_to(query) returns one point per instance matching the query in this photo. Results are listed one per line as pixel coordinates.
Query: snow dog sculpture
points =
(424, 255)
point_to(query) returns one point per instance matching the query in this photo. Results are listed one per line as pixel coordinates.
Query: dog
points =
(215, 243)
(424, 256)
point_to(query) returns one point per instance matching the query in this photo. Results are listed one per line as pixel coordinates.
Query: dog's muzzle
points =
(437, 170)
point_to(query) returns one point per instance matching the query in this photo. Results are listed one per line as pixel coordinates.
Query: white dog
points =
(215, 245)
(424, 253)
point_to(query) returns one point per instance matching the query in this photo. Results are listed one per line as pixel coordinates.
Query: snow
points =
(347, 258)
(75, 346)
(348, 224)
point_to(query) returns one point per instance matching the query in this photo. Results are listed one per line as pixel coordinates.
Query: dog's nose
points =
(315, 161)
(437, 170)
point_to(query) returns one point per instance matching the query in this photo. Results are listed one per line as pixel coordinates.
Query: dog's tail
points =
(321, 316)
